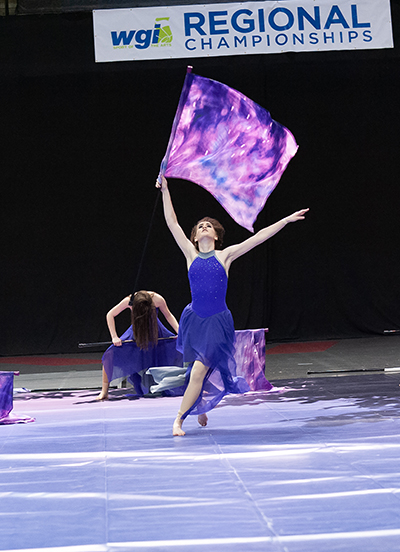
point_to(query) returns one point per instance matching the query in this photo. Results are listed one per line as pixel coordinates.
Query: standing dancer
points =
(206, 331)
(145, 351)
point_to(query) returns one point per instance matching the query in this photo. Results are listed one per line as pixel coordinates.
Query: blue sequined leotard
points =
(208, 285)
(207, 334)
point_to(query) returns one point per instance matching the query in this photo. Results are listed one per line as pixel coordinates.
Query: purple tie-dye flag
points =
(229, 145)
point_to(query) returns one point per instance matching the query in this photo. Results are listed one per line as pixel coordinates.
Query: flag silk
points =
(229, 145)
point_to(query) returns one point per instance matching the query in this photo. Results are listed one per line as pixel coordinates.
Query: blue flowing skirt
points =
(131, 362)
(210, 340)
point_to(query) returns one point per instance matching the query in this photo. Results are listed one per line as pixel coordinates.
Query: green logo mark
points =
(164, 34)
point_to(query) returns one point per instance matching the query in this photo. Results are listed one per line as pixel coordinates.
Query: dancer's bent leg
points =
(104, 388)
(202, 419)
(192, 392)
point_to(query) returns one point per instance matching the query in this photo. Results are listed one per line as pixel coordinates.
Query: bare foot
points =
(103, 396)
(202, 419)
(177, 427)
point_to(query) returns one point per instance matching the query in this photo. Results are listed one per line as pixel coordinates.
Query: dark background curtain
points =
(81, 145)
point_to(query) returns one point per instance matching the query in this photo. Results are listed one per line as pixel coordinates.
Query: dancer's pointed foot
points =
(103, 396)
(202, 419)
(177, 430)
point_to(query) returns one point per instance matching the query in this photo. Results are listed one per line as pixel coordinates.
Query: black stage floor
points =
(82, 370)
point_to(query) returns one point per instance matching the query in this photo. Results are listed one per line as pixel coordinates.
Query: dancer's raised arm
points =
(185, 245)
(234, 251)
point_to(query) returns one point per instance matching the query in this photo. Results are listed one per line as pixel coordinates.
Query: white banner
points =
(164, 32)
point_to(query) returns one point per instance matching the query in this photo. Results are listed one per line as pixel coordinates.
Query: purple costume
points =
(6, 401)
(131, 362)
(207, 334)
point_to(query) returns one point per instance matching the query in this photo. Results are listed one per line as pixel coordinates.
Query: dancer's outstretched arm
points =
(234, 251)
(110, 317)
(161, 304)
(184, 243)
(122, 305)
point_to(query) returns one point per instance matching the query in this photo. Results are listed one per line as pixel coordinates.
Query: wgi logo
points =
(244, 27)
(160, 35)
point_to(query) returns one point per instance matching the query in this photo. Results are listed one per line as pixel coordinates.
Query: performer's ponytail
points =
(144, 320)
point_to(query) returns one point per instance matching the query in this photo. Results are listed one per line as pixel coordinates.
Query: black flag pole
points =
(107, 343)
(146, 242)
